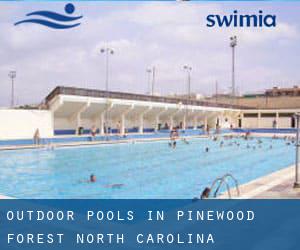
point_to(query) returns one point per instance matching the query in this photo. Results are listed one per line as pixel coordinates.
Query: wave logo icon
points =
(53, 20)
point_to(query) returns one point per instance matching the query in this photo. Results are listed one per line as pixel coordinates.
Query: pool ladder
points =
(223, 180)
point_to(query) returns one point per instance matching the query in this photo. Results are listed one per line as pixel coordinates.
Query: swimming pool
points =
(147, 170)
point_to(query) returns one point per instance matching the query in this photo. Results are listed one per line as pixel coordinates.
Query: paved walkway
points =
(96, 142)
(278, 185)
(5, 197)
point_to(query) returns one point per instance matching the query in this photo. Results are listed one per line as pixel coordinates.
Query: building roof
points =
(60, 90)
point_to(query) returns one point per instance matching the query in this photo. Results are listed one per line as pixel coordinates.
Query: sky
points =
(144, 34)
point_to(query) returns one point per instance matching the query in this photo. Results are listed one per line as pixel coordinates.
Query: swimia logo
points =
(242, 20)
(52, 19)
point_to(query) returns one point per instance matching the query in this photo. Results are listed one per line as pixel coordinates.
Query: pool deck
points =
(98, 142)
(277, 185)
(130, 140)
(5, 197)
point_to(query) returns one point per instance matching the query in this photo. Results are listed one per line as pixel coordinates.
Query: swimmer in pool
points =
(93, 178)
(205, 193)
(185, 141)
(117, 185)
(207, 149)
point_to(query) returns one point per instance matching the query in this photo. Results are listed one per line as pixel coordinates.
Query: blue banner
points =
(149, 224)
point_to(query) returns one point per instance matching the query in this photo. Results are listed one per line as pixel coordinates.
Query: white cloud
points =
(167, 35)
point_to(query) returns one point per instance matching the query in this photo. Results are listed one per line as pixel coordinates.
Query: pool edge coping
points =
(261, 184)
(90, 143)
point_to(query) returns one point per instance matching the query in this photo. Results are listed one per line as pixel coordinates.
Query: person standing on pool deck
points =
(119, 127)
(36, 137)
(93, 132)
(274, 124)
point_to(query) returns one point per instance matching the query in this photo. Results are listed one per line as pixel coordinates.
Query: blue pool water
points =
(147, 170)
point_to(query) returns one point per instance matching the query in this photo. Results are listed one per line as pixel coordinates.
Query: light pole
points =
(107, 51)
(12, 75)
(149, 72)
(153, 79)
(188, 69)
(153, 72)
(217, 91)
(233, 44)
(297, 181)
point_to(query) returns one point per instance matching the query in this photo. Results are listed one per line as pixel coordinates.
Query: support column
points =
(156, 122)
(171, 122)
(205, 123)
(77, 116)
(242, 119)
(141, 124)
(258, 119)
(101, 128)
(195, 122)
(123, 119)
(184, 122)
(157, 118)
(277, 120)
(141, 119)
(78, 122)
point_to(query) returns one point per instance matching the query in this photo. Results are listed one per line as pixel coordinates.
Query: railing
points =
(130, 96)
(220, 182)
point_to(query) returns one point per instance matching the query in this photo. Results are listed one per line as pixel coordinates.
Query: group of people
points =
(106, 130)
(258, 143)
(174, 135)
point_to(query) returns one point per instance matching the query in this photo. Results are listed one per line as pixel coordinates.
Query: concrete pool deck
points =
(277, 185)
(130, 140)
(5, 197)
(100, 142)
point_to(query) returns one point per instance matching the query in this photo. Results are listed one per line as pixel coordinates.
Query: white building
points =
(70, 109)
(74, 108)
